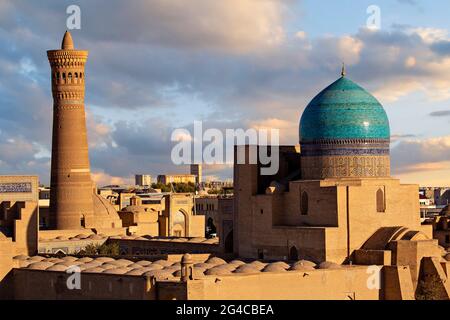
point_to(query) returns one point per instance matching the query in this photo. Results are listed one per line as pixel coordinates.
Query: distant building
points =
(176, 178)
(424, 201)
(18, 220)
(44, 205)
(165, 215)
(218, 212)
(196, 170)
(143, 180)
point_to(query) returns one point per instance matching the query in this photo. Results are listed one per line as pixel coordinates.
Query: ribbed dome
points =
(344, 110)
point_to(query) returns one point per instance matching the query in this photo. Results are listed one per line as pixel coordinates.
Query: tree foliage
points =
(111, 249)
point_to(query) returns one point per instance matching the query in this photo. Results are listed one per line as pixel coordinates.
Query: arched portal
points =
(179, 224)
(304, 204)
(210, 227)
(293, 254)
(381, 203)
(228, 245)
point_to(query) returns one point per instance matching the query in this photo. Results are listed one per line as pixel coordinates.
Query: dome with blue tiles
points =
(344, 133)
(344, 110)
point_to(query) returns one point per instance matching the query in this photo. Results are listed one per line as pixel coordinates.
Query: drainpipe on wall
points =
(348, 221)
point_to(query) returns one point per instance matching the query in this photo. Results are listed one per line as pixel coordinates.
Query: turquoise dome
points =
(344, 110)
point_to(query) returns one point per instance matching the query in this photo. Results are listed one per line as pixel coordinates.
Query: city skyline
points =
(169, 73)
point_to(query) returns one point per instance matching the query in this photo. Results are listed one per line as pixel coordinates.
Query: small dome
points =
(218, 271)
(70, 263)
(21, 257)
(158, 274)
(69, 258)
(144, 263)
(273, 267)
(163, 263)
(93, 270)
(257, 264)
(216, 261)
(237, 263)
(121, 262)
(204, 265)
(103, 208)
(36, 258)
(24, 263)
(107, 266)
(305, 263)
(41, 265)
(136, 272)
(67, 42)
(121, 270)
(281, 264)
(154, 266)
(135, 266)
(58, 267)
(104, 259)
(344, 110)
(229, 267)
(301, 267)
(92, 264)
(247, 268)
(134, 209)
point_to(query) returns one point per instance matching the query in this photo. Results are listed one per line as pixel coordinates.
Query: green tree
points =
(111, 249)
(431, 288)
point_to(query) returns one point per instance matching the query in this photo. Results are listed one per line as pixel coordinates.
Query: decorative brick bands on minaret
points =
(71, 198)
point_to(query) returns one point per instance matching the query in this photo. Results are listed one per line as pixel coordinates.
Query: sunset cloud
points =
(156, 66)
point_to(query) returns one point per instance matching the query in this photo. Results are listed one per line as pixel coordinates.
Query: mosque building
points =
(334, 199)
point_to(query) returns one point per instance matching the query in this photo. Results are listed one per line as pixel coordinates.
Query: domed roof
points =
(344, 110)
(67, 42)
(102, 207)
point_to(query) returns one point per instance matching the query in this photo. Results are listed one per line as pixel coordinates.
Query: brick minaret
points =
(71, 198)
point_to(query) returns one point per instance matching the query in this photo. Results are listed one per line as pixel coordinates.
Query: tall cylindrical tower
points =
(71, 197)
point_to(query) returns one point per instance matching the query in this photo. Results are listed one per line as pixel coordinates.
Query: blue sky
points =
(158, 65)
(346, 16)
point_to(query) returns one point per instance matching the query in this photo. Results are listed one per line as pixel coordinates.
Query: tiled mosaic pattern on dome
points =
(344, 110)
(345, 167)
(344, 133)
(347, 147)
